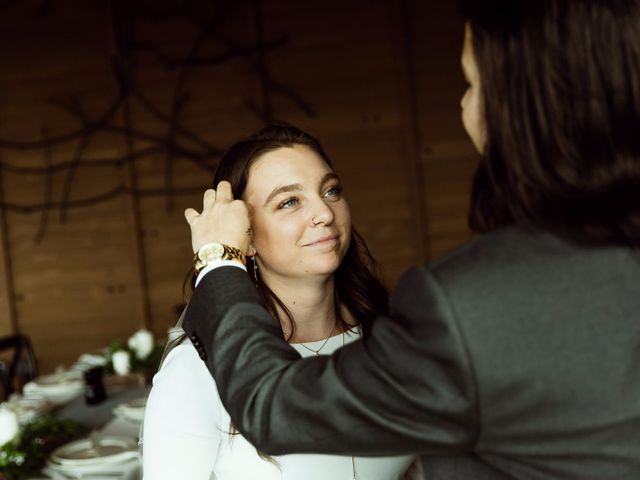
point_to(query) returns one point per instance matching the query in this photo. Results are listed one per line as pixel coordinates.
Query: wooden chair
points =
(22, 365)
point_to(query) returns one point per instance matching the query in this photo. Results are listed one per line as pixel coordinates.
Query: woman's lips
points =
(328, 240)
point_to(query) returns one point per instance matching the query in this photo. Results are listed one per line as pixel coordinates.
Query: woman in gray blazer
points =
(517, 356)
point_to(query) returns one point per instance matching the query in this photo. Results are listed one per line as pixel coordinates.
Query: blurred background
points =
(113, 115)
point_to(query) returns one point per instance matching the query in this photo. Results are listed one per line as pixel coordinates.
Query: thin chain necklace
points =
(317, 353)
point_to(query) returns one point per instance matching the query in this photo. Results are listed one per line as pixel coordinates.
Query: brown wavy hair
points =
(561, 87)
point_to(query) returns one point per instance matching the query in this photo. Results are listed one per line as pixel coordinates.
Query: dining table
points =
(102, 421)
(101, 416)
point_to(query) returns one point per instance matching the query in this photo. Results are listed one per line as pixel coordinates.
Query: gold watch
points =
(215, 251)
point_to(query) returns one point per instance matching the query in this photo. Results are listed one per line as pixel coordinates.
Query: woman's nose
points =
(322, 214)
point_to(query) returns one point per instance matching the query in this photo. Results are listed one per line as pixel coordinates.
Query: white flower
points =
(121, 362)
(9, 426)
(141, 343)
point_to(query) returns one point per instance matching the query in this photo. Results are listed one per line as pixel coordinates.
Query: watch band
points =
(215, 251)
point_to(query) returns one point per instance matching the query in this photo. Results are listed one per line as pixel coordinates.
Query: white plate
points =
(29, 408)
(133, 410)
(57, 394)
(113, 470)
(58, 388)
(58, 379)
(137, 403)
(111, 450)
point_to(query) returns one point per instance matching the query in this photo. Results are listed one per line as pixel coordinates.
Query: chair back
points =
(19, 366)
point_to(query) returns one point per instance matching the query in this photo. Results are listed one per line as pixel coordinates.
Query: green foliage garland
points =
(26, 455)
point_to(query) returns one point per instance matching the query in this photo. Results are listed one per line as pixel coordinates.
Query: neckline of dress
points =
(355, 331)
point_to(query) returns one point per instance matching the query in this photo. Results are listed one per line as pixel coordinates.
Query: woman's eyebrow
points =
(294, 187)
(329, 176)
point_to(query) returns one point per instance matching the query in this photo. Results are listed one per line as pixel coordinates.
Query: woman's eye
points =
(333, 191)
(289, 202)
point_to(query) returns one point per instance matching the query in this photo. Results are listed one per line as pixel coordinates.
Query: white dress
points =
(186, 432)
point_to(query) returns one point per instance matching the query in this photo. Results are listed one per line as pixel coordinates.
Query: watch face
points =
(215, 251)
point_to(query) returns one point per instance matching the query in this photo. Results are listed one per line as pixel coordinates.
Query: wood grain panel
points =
(7, 298)
(381, 84)
(447, 156)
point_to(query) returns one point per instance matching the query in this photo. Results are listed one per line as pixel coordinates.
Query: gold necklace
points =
(317, 352)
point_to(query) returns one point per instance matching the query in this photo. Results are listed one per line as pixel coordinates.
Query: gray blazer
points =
(517, 356)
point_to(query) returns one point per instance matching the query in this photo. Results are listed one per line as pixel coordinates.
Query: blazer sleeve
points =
(406, 388)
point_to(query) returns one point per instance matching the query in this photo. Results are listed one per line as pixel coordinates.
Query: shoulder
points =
(501, 274)
(502, 256)
(489, 266)
(182, 364)
(184, 389)
(518, 253)
(504, 245)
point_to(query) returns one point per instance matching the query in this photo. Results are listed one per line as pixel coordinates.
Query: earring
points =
(255, 269)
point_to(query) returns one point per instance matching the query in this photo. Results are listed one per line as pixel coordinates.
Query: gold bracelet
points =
(214, 252)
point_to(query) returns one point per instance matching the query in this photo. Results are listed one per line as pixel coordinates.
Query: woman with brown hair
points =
(315, 275)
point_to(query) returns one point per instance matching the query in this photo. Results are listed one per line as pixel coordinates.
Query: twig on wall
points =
(71, 173)
(48, 186)
(213, 60)
(173, 141)
(137, 222)
(99, 198)
(95, 162)
(149, 107)
(22, 145)
(180, 98)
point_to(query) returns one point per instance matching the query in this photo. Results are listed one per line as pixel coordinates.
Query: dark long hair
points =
(356, 282)
(561, 88)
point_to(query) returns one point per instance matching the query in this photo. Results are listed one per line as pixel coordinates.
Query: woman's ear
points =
(252, 251)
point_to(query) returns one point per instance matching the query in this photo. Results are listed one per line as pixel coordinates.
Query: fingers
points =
(223, 193)
(222, 220)
(190, 214)
(208, 199)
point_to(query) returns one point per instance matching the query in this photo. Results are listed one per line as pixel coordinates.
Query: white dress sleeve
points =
(181, 442)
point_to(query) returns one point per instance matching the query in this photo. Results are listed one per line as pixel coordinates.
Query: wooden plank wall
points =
(382, 84)
(446, 156)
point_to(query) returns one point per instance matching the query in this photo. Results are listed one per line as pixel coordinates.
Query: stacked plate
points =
(106, 456)
(132, 411)
(29, 407)
(89, 360)
(58, 388)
